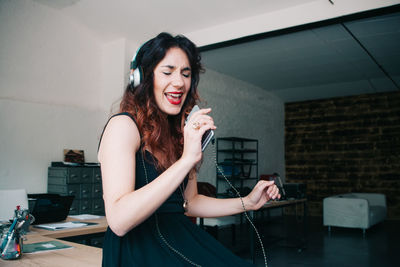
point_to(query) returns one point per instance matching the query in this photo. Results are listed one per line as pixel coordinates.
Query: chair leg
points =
(216, 232)
(364, 231)
(233, 227)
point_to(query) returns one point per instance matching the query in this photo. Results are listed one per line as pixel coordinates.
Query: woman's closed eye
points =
(184, 74)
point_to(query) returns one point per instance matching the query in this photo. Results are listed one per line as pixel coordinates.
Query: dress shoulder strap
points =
(115, 115)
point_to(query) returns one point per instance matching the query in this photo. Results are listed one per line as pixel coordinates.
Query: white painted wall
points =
(50, 88)
(47, 58)
(34, 134)
(113, 74)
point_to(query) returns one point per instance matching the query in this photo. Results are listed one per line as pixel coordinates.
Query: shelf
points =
(237, 177)
(237, 139)
(237, 150)
(223, 163)
(238, 158)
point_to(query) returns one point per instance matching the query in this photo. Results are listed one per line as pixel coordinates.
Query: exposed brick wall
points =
(347, 144)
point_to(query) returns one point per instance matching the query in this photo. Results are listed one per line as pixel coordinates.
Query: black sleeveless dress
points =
(178, 237)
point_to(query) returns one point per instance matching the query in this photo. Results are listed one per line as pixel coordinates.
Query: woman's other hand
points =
(262, 192)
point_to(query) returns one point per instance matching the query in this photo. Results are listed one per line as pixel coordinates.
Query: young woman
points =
(149, 158)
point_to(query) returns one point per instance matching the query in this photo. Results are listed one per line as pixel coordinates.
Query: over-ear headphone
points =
(136, 74)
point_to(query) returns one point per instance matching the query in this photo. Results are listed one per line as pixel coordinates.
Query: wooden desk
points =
(79, 255)
(282, 203)
(100, 227)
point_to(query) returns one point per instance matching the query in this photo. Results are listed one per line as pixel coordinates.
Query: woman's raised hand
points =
(194, 129)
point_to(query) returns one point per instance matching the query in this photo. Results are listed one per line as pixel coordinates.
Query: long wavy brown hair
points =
(161, 134)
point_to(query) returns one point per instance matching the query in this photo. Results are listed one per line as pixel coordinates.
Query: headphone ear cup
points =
(136, 77)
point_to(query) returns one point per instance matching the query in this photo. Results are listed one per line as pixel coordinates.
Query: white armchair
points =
(354, 210)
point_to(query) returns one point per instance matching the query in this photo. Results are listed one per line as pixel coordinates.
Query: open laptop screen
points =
(49, 208)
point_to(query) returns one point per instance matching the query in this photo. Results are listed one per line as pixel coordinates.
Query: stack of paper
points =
(85, 216)
(59, 226)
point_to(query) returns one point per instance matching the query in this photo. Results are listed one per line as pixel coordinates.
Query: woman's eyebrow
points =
(173, 67)
(168, 66)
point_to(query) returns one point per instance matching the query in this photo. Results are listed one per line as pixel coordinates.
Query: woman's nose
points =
(177, 80)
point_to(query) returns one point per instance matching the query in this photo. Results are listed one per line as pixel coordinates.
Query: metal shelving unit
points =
(238, 157)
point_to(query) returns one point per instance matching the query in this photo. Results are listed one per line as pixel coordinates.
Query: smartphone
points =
(208, 135)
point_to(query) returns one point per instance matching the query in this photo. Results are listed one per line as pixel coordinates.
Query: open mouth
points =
(175, 98)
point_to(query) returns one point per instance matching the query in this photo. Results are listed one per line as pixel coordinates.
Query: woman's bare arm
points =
(204, 206)
(126, 207)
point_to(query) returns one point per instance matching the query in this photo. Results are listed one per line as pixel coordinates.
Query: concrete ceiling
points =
(137, 20)
(309, 64)
(319, 62)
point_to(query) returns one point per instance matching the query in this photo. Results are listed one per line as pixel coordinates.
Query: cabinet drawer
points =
(83, 182)
(98, 206)
(74, 210)
(97, 191)
(86, 191)
(85, 206)
(65, 175)
(74, 175)
(70, 175)
(87, 175)
(57, 180)
(63, 180)
(73, 190)
(96, 175)
(58, 172)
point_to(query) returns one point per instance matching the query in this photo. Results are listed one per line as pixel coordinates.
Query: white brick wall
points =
(240, 109)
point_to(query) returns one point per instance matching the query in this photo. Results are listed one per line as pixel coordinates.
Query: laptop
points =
(49, 208)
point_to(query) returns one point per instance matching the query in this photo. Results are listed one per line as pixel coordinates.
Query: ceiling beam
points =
(338, 20)
(370, 55)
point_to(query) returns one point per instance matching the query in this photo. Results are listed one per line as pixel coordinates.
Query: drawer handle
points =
(72, 192)
(74, 175)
